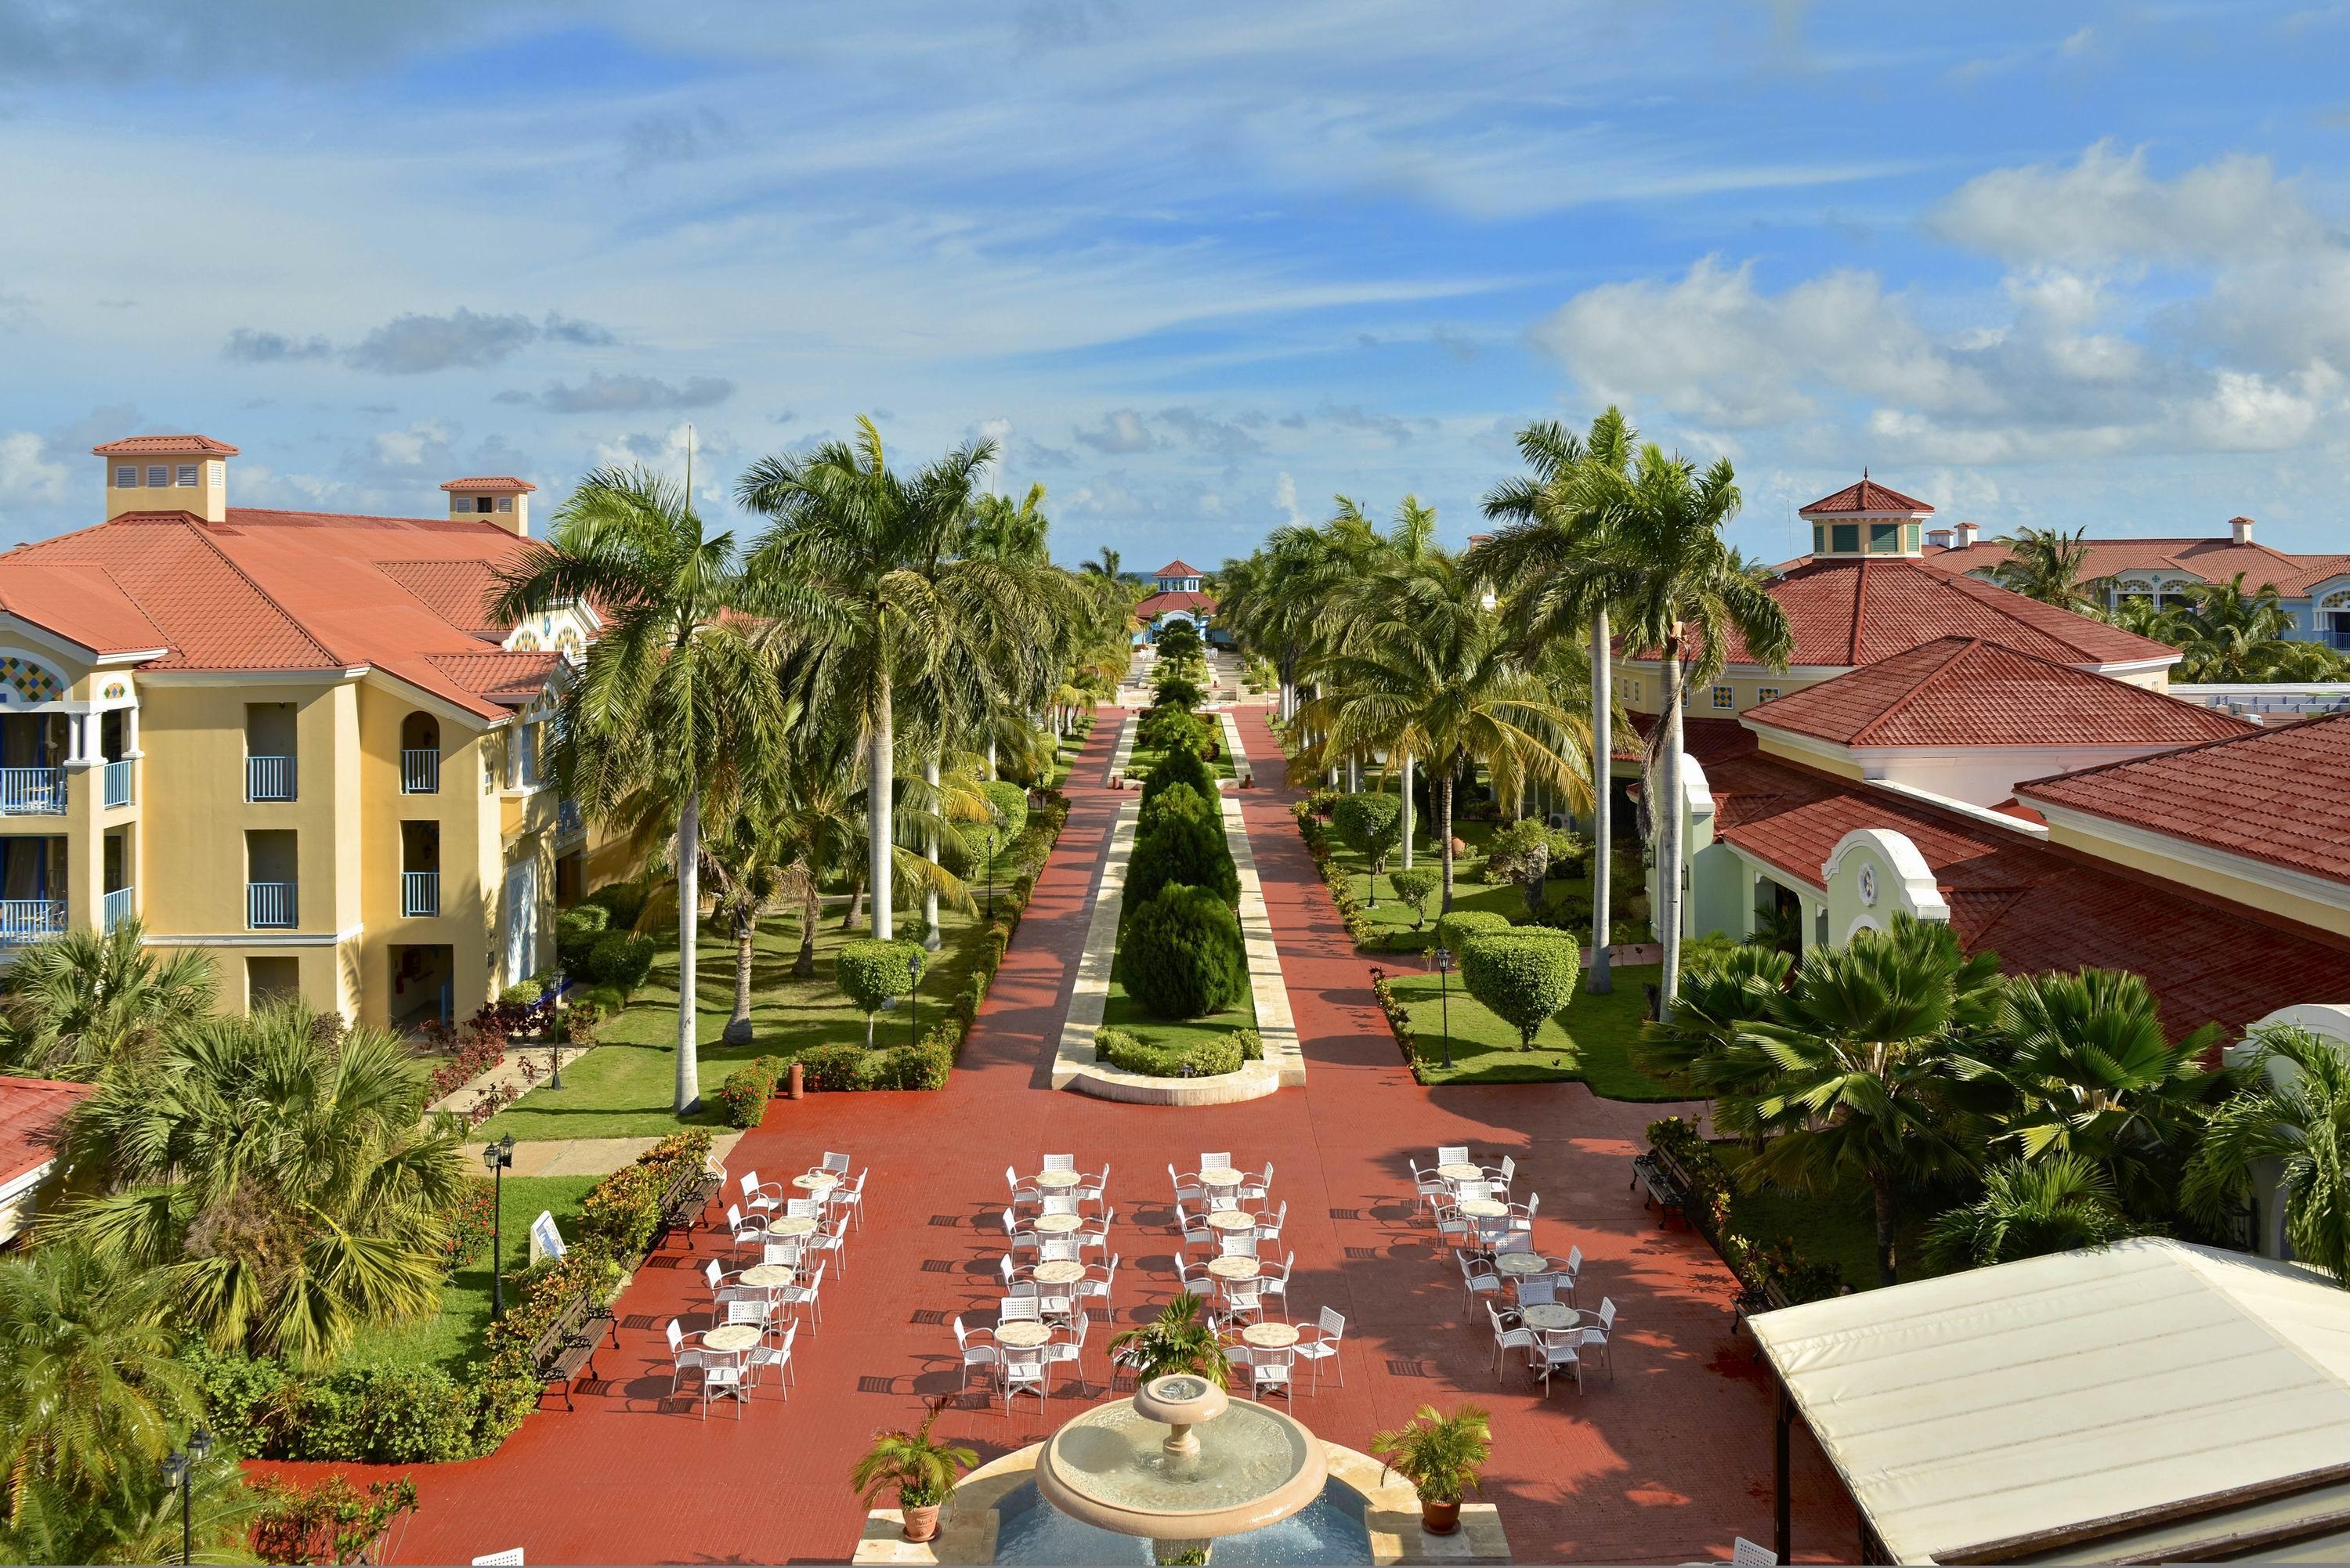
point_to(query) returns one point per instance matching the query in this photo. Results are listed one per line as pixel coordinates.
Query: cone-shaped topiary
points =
(1183, 849)
(1181, 956)
(1524, 976)
(1457, 930)
(1176, 800)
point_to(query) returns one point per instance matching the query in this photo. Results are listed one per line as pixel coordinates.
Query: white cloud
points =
(29, 474)
(2106, 208)
(1285, 497)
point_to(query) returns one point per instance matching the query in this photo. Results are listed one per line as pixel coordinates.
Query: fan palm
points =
(2047, 563)
(2060, 1204)
(284, 1191)
(1179, 1339)
(676, 698)
(1862, 1059)
(2296, 1121)
(80, 1003)
(1704, 1044)
(1550, 526)
(871, 541)
(139, 1518)
(2229, 635)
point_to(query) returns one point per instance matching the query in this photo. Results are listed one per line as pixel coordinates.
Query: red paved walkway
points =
(1665, 1465)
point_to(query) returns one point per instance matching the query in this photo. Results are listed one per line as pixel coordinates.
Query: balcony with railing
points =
(118, 784)
(121, 907)
(270, 906)
(23, 921)
(419, 771)
(420, 892)
(32, 792)
(269, 778)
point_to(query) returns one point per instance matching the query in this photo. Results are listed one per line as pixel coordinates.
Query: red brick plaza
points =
(1667, 1465)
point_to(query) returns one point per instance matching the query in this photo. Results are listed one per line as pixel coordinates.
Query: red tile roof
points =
(1865, 496)
(2040, 908)
(1964, 691)
(510, 677)
(32, 1114)
(459, 592)
(2280, 795)
(493, 482)
(1178, 568)
(1845, 612)
(81, 603)
(2210, 560)
(1180, 600)
(165, 446)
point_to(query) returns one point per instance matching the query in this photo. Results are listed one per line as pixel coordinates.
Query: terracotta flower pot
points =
(922, 1523)
(1440, 1518)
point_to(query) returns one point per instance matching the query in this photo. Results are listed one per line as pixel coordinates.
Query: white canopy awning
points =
(2006, 1407)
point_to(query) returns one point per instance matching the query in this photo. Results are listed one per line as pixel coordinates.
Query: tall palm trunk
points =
(882, 768)
(1880, 1184)
(1667, 814)
(689, 923)
(811, 911)
(931, 847)
(991, 773)
(738, 1024)
(1444, 835)
(1602, 808)
(1406, 811)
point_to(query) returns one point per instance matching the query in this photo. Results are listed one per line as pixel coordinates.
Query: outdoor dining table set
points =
(1238, 1221)
(1529, 1297)
(799, 1229)
(1056, 1264)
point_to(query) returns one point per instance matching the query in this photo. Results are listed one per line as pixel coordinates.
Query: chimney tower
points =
(2243, 529)
(498, 498)
(167, 473)
(1964, 536)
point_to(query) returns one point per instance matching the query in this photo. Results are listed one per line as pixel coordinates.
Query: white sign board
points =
(510, 1558)
(546, 1240)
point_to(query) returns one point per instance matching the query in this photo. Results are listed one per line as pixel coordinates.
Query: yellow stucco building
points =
(294, 740)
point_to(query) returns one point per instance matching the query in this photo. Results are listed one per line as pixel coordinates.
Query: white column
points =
(130, 751)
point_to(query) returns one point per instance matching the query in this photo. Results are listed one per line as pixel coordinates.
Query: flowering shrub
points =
(1398, 1016)
(471, 1220)
(1764, 1270)
(744, 1096)
(328, 1520)
(475, 1057)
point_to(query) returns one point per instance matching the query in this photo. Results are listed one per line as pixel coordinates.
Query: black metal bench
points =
(1668, 1192)
(569, 1343)
(688, 1200)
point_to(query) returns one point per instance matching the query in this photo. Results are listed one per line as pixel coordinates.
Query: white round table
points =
(1049, 1178)
(1220, 1175)
(1231, 1219)
(1055, 1224)
(1522, 1263)
(732, 1337)
(1460, 1172)
(1483, 1207)
(1059, 1271)
(792, 1225)
(1549, 1315)
(768, 1275)
(1270, 1335)
(1022, 1334)
(815, 1181)
(1232, 1268)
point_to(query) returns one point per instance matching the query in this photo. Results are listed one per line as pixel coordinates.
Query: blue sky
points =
(1195, 267)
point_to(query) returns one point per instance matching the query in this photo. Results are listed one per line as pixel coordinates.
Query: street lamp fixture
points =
(179, 1474)
(497, 1156)
(1444, 988)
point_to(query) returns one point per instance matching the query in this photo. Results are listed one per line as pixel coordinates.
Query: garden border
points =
(1244, 775)
(1123, 756)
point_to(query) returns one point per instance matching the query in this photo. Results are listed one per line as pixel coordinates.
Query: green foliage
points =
(1251, 1043)
(1182, 955)
(1459, 928)
(1522, 977)
(923, 1065)
(1179, 767)
(619, 961)
(1180, 640)
(1176, 800)
(2293, 1120)
(2060, 1204)
(1526, 853)
(1009, 803)
(1440, 1455)
(520, 993)
(1168, 727)
(743, 1097)
(831, 1069)
(871, 973)
(1181, 849)
(328, 1520)
(1372, 826)
(621, 902)
(577, 931)
(1759, 1265)
(78, 1004)
(1179, 1339)
(1188, 1058)
(919, 1472)
(1414, 887)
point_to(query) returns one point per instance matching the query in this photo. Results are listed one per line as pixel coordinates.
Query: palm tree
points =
(2229, 635)
(1530, 561)
(742, 866)
(284, 1190)
(2047, 563)
(1105, 566)
(1705, 1044)
(676, 699)
(846, 527)
(2296, 1119)
(1179, 1339)
(78, 1004)
(1442, 683)
(2061, 1204)
(1862, 1052)
(1652, 553)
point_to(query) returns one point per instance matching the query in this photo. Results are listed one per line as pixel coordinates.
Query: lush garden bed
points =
(1589, 1041)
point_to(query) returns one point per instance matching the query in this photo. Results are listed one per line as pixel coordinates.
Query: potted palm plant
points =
(920, 1471)
(1441, 1455)
(1178, 1340)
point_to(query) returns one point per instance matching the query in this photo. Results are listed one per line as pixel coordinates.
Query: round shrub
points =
(743, 1097)
(870, 973)
(577, 929)
(1167, 728)
(622, 901)
(1176, 800)
(1415, 888)
(1371, 825)
(1457, 930)
(1182, 954)
(829, 1069)
(1182, 849)
(617, 959)
(1179, 767)
(1524, 977)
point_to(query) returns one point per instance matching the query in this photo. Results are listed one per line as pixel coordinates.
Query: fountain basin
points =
(1134, 1467)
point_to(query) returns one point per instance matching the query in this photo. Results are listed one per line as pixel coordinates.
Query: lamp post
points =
(497, 1156)
(179, 1472)
(991, 873)
(1444, 990)
(914, 1001)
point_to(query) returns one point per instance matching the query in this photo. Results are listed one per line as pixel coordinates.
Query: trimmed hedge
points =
(1190, 1058)
(1179, 767)
(576, 932)
(1176, 800)
(1167, 728)
(1182, 849)
(619, 960)
(743, 1097)
(1183, 956)
(623, 901)
(1459, 928)
(1524, 976)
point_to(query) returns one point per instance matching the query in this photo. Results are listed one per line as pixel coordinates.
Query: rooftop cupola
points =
(498, 498)
(167, 473)
(1866, 520)
(1177, 577)
(2242, 528)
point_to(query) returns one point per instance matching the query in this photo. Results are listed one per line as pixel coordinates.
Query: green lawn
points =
(1393, 917)
(1589, 1041)
(1837, 1227)
(625, 1088)
(1122, 1011)
(453, 1340)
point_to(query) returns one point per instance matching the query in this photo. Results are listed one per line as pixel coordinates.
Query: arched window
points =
(420, 755)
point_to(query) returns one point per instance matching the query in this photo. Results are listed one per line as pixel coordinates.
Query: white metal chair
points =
(1257, 1188)
(1452, 1154)
(1476, 1279)
(1022, 1305)
(753, 1307)
(1097, 1289)
(1095, 1231)
(1574, 1270)
(1094, 1189)
(1333, 1327)
(1521, 1215)
(1537, 1290)
(1507, 1336)
(784, 1253)
(1270, 1372)
(758, 1198)
(1603, 1336)
(1431, 1189)
(1236, 1243)
(1025, 1371)
(1022, 1192)
(1745, 1553)
(1268, 1226)
(1216, 1161)
(810, 1295)
(1275, 1282)
(1472, 1191)
(1070, 1352)
(1503, 1174)
(835, 1241)
(1242, 1298)
(1454, 1228)
(1549, 1352)
(834, 1165)
(1186, 1185)
(975, 1351)
(1015, 1238)
(744, 1230)
(849, 1197)
(778, 1357)
(685, 1359)
(719, 1291)
(1060, 1162)
(1194, 1277)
